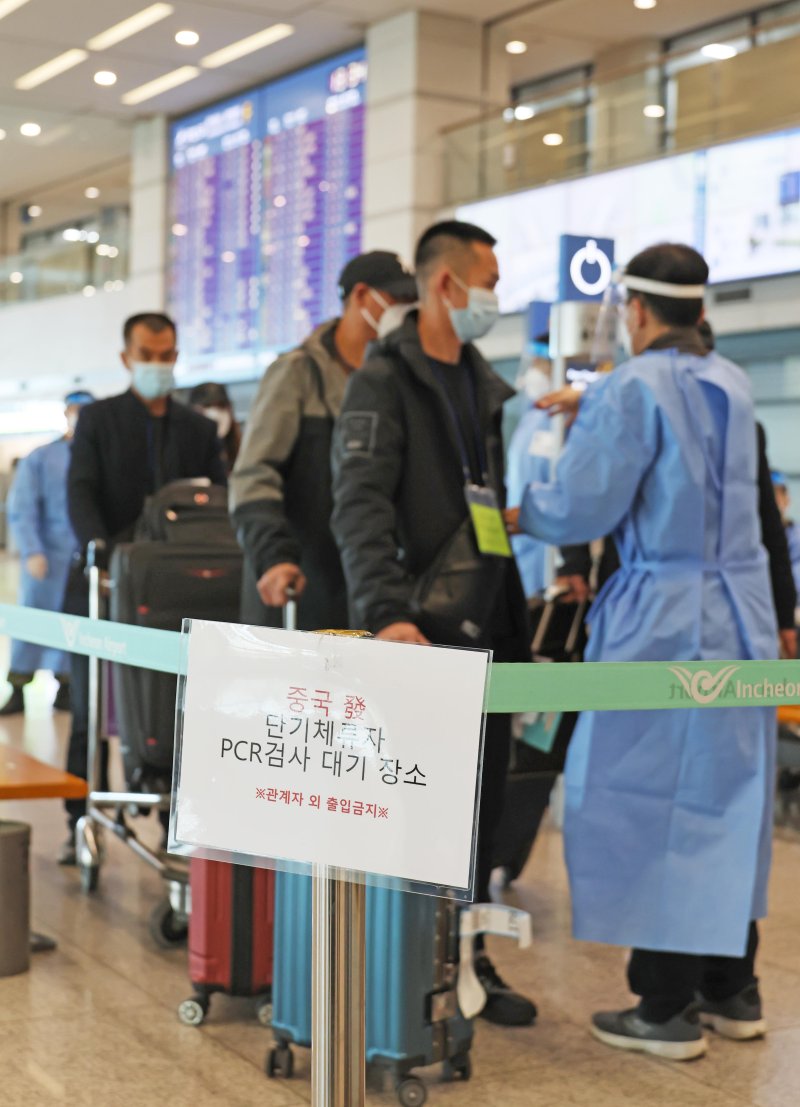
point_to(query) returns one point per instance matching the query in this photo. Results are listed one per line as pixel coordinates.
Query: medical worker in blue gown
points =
(37, 515)
(668, 813)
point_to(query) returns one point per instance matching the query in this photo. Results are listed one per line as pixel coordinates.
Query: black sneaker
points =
(63, 701)
(503, 1007)
(68, 855)
(739, 1018)
(679, 1039)
(15, 704)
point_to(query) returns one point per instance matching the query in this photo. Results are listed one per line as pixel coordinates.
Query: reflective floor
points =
(94, 1023)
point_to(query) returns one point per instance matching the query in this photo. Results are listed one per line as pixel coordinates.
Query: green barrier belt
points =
(630, 686)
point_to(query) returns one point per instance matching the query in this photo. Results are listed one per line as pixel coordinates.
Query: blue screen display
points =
(266, 208)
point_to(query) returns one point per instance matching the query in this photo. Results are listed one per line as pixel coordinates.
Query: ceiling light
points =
(89, 290)
(516, 46)
(645, 5)
(30, 130)
(34, 211)
(92, 237)
(244, 46)
(2, 134)
(105, 78)
(102, 250)
(553, 139)
(91, 193)
(228, 256)
(719, 51)
(9, 6)
(524, 111)
(179, 229)
(54, 68)
(655, 111)
(16, 278)
(71, 234)
(113, 252)
(131, 26)
(187, 38)
(161, 84)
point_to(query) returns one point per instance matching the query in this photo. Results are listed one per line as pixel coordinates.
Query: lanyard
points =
(480, 448)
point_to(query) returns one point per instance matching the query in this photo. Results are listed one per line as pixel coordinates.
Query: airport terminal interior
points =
(470, 331)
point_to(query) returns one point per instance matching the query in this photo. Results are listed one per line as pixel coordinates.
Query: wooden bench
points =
(23, 777)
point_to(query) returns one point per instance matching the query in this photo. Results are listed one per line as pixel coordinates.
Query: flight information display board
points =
(266, 206)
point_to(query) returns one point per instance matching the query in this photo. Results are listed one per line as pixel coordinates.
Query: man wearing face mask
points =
(418, 440)
(125, 448)
(37, 516)
(281, 483)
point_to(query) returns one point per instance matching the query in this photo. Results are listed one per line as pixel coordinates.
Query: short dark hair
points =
(155, 321)
(442, 238)
(672, 263)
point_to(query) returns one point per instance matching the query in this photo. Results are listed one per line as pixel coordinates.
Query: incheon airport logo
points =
(704, 687)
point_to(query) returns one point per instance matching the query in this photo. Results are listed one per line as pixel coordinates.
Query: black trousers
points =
(668, 982)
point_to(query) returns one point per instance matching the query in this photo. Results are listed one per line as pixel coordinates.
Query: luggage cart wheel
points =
(280, 1062)
(90, 878)
(458, 1067)
(193, 1011)
(264, 1010)
(411, 1092)
(167, 928)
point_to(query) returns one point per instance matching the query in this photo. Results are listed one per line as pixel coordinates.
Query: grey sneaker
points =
(679, 1039)
(739, 1018)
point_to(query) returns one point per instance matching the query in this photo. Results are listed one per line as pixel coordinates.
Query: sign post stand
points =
(338, 1051)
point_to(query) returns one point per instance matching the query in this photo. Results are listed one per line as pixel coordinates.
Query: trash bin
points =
(15, 840)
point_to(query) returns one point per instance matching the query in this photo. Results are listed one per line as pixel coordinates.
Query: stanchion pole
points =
(338, 1050)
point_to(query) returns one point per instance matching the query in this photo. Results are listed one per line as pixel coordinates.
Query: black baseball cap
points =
(381, 270)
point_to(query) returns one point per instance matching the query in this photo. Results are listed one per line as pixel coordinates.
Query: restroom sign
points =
(587, 266)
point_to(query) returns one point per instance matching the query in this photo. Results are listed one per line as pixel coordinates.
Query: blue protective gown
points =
(528, 462)
(668, 813)
(37, 515)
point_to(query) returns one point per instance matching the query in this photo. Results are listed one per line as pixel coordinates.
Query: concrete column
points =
(424, 74)
(149, 204)
(621, 131)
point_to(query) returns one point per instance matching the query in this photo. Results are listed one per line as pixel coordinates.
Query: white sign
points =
(340, 751)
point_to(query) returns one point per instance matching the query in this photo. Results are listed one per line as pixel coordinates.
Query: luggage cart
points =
(106, 810)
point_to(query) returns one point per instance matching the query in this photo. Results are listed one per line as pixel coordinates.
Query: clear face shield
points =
(611, 339)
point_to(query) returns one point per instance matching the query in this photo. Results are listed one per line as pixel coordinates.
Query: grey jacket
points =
(280, 488)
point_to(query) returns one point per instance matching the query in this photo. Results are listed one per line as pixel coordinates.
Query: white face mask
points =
(393, 317)
(153, 379)
(222, 417)
(368, 317)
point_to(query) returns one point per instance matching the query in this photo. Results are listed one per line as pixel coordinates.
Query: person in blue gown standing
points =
(669, 813)
(37, 516)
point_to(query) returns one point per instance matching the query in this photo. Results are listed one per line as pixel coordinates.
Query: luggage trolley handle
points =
(290, 610)
(96, 573)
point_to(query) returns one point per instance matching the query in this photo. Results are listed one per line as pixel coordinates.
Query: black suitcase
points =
(191, 567)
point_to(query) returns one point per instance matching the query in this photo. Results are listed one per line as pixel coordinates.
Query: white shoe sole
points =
(670, 1051)
(736, 1030)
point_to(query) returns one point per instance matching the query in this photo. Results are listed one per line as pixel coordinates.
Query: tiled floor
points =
(94, 1023)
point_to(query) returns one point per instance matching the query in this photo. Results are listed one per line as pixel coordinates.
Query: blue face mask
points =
(478, 317)
(152, 380)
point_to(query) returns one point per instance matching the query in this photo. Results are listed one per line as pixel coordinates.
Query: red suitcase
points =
(231, 930)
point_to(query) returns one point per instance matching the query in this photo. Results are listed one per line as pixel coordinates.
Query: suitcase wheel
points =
(280, 1062)
(264, 1010)
(458, 1068)
(167, 928)
(193, 1011)
(411, 1092)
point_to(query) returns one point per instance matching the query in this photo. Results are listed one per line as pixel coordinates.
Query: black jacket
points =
(280, 488)
(398, 482)
(114, 467)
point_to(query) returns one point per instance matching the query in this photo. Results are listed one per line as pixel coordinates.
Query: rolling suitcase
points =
(184, 562)
(230, 936)
(412, 1017)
